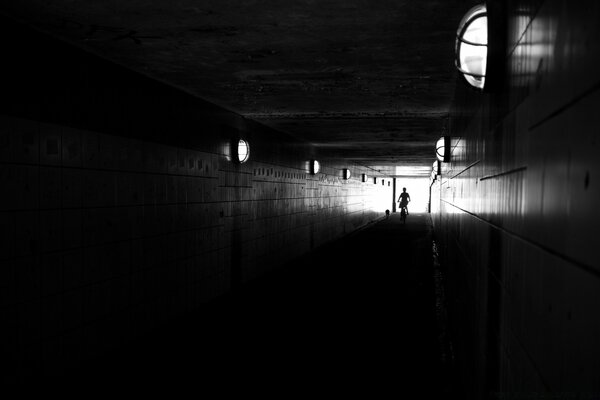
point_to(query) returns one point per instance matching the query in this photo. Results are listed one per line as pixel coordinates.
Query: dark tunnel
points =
(207, 193)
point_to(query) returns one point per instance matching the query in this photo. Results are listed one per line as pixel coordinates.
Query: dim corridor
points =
(357, 314)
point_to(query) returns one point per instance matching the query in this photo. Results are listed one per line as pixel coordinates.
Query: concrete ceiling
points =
(368, 81)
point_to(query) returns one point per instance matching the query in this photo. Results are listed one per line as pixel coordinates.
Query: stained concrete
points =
(379, 74)
(358, 314)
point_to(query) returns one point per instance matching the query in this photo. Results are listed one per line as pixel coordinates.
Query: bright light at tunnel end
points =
(418, 189)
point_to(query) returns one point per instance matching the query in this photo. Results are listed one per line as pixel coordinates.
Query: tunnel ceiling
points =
(367, 81)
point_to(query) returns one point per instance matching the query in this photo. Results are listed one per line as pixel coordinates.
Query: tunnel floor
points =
(357, 314)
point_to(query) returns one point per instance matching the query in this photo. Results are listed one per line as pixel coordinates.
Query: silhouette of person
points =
(404, 199)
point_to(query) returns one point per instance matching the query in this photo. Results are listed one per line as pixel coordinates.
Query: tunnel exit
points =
(418, 189)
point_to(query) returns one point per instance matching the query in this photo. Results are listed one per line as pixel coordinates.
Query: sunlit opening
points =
(382, 200)
(412, 170)
(418, 189)
(471, 46)
(243, 151)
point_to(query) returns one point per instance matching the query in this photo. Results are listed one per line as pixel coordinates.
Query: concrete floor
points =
(358, 314)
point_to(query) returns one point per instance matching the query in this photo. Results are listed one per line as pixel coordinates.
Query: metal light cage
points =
(437, 168)
(442, 149)
(240, 149)
(472, 46)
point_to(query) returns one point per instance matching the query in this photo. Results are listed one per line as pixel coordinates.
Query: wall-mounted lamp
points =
(364, 177)
(472, 46)
(480, 45)
(375, 180)
(346, 173)
(437, 168)
(240, 149)
(315, 167)
(442, 149)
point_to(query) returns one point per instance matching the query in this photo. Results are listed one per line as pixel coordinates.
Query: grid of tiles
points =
(104, 237)
(516, 211)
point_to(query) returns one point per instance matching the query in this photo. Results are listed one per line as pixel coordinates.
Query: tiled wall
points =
(121, 210)
(516, 211)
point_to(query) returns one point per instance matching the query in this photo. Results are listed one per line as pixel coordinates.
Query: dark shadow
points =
(357, 314)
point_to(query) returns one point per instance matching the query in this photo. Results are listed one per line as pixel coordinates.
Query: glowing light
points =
(412, 171)
(315, 167)
(364, 177)
(418, 189)
(442, 149)
(346, 173)
(243, 151)
(436, 168)
(471, 46)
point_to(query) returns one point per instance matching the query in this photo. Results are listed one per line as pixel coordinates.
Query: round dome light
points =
(436, 168)
(442, 149)
(315, 167)
(242, 151)
(471, 46)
